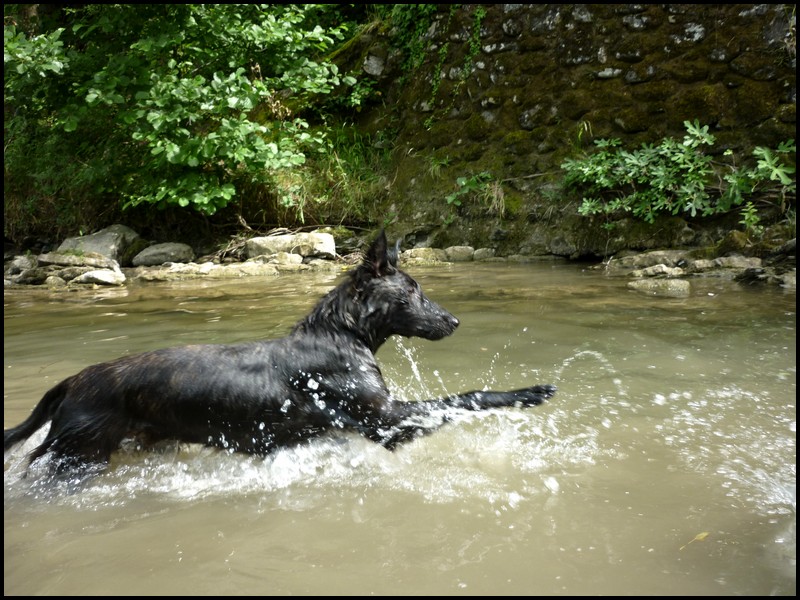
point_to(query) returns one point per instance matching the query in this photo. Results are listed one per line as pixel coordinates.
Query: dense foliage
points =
(678, 176)
(186, 105)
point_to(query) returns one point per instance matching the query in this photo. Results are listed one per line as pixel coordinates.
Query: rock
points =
(159, 254)
(102, 277)
(671, 288)
(459, 253)
(111, 242)
(80, 259)
(285, 258)
(19, 264)
(658, 271)
(739, 263)
(247, 269)
(752, 276)
(560, 246)
(374, 65)
(35, 276)
(55, 282)
(184, 271)
(700, 266)
(670, 258)
(304, 244)
(424, 255)
(70, 273)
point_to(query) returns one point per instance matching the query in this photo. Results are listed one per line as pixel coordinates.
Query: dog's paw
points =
(534, 395)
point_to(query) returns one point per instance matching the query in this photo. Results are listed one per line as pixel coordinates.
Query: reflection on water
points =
(664, 465)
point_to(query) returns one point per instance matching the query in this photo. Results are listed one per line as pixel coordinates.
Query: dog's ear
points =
(380, 260)
(393, 254)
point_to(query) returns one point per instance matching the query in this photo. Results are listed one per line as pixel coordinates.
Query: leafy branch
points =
(677, 176)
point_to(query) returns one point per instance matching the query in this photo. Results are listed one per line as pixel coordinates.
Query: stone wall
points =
(514, 89)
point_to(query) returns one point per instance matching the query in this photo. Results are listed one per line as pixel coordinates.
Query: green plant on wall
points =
(474, 42)
(677, 176)
(474, 184)
(483, 189)
(340, 181)
(750, 220)
(473, 47)
(435, 165)
(409, 23)
(771, 168)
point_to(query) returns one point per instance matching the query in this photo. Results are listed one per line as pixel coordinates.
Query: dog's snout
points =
(449, 323)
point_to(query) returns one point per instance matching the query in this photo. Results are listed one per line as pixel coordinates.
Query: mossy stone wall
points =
(543, 81)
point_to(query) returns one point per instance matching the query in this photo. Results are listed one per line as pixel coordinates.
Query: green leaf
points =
(71, 123)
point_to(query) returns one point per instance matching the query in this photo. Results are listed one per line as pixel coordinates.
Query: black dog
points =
(255, 397)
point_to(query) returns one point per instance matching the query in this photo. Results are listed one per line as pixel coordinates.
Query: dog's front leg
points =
(400, 422)
(477, 400)
(482, 400)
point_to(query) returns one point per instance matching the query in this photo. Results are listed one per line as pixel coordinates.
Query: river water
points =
(665, 464)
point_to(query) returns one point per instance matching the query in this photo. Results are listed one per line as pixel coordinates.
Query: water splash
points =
(725, 433)
(607, 370)
(479, 455)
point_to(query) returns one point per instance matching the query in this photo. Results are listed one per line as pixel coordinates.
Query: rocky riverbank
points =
(117, 256)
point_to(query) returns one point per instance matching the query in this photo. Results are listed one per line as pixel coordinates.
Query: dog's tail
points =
(41, 414)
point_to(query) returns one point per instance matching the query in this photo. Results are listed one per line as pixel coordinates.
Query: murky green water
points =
(666, 464)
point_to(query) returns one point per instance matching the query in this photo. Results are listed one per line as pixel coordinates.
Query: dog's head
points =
(393, 300)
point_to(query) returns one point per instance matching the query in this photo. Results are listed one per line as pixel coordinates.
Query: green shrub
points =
(173, 105)
(677, 176)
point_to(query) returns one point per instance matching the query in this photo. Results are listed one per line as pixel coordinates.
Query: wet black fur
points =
(255, 397)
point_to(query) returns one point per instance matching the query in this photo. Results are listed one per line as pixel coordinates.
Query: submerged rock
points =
(672, 288)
